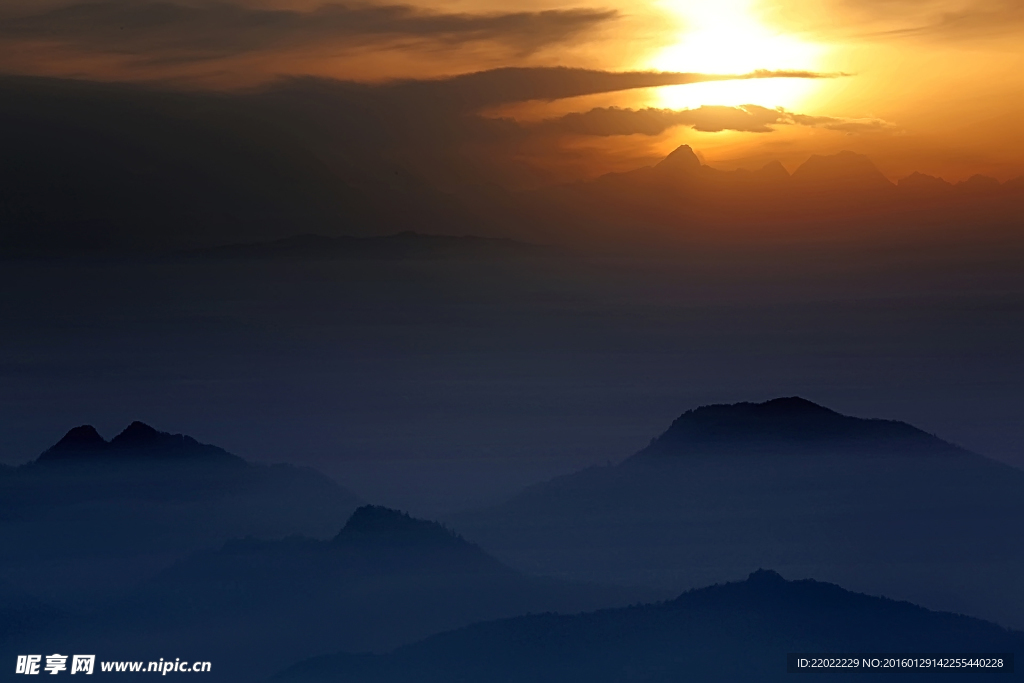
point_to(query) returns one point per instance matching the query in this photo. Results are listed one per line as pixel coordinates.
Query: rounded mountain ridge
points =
(789, 421)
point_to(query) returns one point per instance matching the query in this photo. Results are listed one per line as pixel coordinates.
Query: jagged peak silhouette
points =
(681, 160)
(379, 523)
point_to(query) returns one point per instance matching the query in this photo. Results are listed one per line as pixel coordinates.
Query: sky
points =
(935, 86)
(162, 127)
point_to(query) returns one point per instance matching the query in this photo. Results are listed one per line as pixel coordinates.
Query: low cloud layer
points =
(469, 92)
(608, 121)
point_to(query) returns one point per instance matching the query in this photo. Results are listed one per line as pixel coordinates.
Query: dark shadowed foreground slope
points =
(253, 607)
(734, 632)
(90, 518)
(875, 505)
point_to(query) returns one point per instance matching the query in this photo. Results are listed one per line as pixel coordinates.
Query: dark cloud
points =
(501, 86)
(470, 92)
(171, 31)
(749, 118)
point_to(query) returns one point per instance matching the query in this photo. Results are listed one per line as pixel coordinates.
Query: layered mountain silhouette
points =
(739, 631)
(875, 505)
(255, 606)
(842, 195)
(89, 518)
(402, 245)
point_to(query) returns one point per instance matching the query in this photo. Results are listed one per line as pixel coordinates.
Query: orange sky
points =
(941, 81)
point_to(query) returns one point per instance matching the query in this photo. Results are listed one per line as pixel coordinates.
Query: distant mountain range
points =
(734, 632)
(842, 195)
(874, 505)
(254, 606)
(90, 518)
(108, 168)
(401, 245)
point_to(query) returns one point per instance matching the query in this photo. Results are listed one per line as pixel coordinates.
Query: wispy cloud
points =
(938, 19)
(608, 121)
(189, 32)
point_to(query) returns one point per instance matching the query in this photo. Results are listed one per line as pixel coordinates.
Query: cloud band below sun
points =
(609, 121)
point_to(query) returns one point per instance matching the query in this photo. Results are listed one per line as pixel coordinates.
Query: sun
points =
(727, 37)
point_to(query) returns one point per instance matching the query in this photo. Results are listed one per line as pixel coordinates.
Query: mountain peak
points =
(922, 182)
(793, 405)
(379, 524)
(843, 170)
(137, 434)
(137, 441)
(83, 438)
(765, 576)
(774, 169)
(681, 160)
(790, 422)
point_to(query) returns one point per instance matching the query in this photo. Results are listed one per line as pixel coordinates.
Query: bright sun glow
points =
(725, 37)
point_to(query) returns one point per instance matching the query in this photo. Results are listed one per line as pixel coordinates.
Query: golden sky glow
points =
(947, 75)
(930, 85)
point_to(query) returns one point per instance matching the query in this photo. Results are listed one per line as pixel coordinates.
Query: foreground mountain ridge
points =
(736, 631)
(257, 605)
(875, 505)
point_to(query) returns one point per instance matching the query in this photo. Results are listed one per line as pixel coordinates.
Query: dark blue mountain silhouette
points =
(385, 579)
(739, 631)
(137, 441)
(786, 423)
(875, 505)
(91, 518)
(375, 525)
